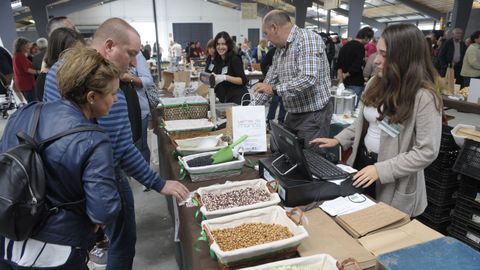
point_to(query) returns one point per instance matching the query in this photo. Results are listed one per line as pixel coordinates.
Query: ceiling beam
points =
(344, 12)
(69, 7)
(430, 12)
(367, 20)
(262, 10)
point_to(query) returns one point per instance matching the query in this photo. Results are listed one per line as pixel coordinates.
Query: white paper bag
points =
(250, 120)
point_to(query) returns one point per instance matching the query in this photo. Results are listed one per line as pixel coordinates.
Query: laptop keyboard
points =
(322, 168)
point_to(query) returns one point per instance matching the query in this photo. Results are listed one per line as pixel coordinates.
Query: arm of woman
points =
(33, 71)
(238, 74)
(428, 130)
(101, 194)
(347, 136)
(473, 57)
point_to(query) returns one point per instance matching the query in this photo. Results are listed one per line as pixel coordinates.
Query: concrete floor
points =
(155, 247)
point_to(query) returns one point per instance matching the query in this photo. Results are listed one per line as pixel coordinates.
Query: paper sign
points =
(474, 94)
(250, 120)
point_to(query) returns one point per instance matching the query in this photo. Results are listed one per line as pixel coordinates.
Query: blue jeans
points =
(121, 232)
(143, 144)
(358, 90)
(272, 109)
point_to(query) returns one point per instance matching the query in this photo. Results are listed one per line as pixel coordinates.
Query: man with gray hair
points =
(57, 22)
(42, 44)
(299, 75)
(452, 53)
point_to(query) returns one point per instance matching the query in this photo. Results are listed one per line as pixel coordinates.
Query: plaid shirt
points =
(299, 73)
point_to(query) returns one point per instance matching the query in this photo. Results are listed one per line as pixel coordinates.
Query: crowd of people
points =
(395, 136)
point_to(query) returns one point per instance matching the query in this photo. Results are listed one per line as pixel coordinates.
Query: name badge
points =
(224, 70)
(210, 67)
(390, 128)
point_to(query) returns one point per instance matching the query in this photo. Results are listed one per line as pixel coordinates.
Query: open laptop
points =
(305, 161)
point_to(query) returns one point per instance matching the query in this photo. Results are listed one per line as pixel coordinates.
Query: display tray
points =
(439, 196)
(202, 144)
(186, 129)
(445, 159)
(465, 232)
(314, 262)
(446, 177)
(468, 209)
(440, 227)
(204, 173)
(258, 184)
(255, 254)
(191, 107)
(468, 161)
(470, 188)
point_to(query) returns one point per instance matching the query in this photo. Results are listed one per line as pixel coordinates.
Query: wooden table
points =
(461, 106)
(187, 228)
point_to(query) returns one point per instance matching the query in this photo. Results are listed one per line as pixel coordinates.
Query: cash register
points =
(304, 175)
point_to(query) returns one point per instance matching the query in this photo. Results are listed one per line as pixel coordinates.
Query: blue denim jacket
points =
(78, 166)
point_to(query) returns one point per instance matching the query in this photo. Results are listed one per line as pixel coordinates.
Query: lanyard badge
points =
(390, 128)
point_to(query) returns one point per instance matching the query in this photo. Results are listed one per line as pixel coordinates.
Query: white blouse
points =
(372, 138)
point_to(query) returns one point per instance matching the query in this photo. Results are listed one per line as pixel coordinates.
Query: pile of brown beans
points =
(249, 234)
(234, 198)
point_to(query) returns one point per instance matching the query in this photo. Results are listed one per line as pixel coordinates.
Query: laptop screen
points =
(292, 146)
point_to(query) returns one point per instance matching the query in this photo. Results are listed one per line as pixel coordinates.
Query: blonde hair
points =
(211, 43)
(83, 70)
(262, 42)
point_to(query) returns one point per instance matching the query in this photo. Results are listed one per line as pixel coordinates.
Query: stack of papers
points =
(372, 219)
(346, 205)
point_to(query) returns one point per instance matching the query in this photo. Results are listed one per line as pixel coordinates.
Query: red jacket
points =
(24, 81)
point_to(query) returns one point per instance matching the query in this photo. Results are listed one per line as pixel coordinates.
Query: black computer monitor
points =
(291, 146)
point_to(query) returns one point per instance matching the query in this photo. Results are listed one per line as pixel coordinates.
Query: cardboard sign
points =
(249, 120)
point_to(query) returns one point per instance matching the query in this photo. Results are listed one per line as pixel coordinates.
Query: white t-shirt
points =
(372, 138)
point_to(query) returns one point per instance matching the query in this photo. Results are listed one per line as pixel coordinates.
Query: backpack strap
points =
(55, 137)
(36, 119)
(29, 137)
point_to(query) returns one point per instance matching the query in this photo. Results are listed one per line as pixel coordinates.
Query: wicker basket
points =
(262, 253)
(187, 128)
(195, 107)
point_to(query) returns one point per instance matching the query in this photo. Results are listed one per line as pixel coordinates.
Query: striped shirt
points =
(117, 125)
(299, 73)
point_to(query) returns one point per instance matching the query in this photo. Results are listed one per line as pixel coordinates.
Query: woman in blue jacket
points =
(78, 166)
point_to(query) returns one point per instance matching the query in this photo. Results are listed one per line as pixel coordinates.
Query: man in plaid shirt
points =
(299, 75)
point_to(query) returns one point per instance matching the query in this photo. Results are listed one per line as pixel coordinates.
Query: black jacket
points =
(350, 59)
(446, 55)
(227, 91)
